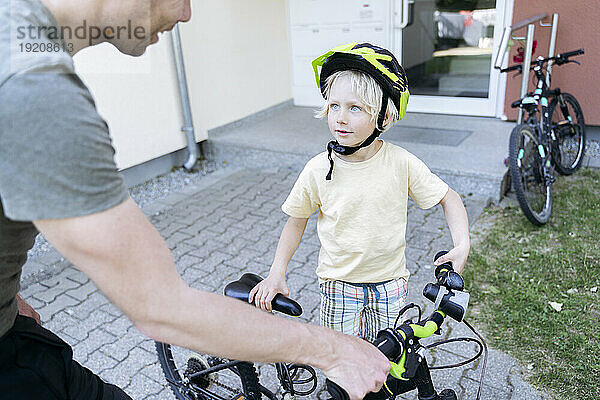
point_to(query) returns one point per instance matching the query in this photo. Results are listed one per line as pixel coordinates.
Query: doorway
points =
(446, 48)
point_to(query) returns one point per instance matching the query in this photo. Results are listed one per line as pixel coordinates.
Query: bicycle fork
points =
(421, 381)
(548, 177)
(543, 150)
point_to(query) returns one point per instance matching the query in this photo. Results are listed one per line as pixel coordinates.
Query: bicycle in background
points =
(551, 138)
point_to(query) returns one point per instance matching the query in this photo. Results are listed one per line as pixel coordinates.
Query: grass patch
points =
(515, 269)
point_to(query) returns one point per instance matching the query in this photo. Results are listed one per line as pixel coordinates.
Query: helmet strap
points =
(347, 150)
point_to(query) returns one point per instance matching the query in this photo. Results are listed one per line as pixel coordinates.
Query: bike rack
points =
(530, 24)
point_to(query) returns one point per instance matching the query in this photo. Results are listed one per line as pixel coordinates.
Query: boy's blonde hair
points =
(369, 93)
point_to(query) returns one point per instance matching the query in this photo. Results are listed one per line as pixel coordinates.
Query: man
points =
(58, 177)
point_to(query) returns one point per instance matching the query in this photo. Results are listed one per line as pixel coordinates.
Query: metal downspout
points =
(188, 125)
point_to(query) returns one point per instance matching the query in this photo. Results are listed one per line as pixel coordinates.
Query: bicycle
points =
(554, 141)
(192, 376)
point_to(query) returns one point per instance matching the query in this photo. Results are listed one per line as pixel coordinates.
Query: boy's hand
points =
(457, 256)
(266, 290)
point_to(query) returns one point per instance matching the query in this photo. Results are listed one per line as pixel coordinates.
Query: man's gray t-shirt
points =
(56, 155)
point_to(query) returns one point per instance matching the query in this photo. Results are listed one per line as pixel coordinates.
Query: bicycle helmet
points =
(376, 62)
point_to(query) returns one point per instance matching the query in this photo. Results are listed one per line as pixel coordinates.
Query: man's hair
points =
(369, 93)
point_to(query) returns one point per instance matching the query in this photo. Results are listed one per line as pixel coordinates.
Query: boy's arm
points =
(275, 283)
(458, 222)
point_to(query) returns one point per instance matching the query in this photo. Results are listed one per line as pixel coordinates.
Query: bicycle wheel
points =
(527, 174)
(569, 129)
(178, 364)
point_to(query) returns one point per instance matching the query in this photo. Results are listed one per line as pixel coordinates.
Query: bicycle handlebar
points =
(570, 53)
(394, 342)
(560, 59)
(512, 68)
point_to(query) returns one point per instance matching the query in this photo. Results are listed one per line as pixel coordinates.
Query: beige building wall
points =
(138, 98)
(236, 57)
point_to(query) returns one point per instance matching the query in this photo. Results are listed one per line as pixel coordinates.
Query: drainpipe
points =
(188, 125)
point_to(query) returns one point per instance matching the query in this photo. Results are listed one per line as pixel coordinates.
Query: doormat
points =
(437, 136)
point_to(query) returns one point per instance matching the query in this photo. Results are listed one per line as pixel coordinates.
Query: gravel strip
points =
(144, 194)
(160, 187)
(592, 149)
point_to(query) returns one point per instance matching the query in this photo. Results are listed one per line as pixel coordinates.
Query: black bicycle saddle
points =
(240, 290)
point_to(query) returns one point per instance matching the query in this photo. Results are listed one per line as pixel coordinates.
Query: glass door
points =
(446, 48)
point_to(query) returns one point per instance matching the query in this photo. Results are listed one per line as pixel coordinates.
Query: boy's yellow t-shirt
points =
(362, 211)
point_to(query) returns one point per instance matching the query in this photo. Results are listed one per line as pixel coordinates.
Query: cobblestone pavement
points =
(217, 232)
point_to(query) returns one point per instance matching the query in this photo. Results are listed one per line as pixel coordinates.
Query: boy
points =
(363, 201)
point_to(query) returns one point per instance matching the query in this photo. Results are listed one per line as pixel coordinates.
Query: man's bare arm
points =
(125, 256)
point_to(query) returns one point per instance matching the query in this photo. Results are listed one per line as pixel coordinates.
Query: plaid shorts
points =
(361, 309)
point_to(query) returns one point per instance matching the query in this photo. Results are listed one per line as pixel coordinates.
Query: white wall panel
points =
(318, 25)
(237, 62)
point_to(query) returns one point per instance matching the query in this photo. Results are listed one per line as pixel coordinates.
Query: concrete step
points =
(467, 152)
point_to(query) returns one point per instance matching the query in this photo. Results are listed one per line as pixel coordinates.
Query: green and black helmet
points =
(376, 62)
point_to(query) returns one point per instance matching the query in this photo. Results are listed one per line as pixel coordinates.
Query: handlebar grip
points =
(570, 53)
(439, 254)
(390, 343)
(386, 346)
(336, 391)
(445, 266)
(512, 68)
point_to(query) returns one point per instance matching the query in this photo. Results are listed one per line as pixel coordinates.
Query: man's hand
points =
(360, 368)
(27, 311)
(266, 290)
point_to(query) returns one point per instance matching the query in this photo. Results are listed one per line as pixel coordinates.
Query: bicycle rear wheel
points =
(569, 129)
(527, 173)
(178, 364)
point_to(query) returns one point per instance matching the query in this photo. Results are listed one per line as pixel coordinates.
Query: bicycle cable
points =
(289, 376)
(481, 343)
(485, 356)
(482, 349)
(460, 339)
(405, 309)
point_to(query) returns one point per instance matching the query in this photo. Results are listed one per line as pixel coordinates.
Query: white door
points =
(446, 48)
(319, 25)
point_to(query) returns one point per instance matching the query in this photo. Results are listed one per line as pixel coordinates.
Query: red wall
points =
(578, 27)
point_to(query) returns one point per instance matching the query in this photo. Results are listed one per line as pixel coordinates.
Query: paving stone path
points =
(217, 231)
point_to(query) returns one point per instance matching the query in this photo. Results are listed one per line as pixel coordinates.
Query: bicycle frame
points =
(400, 344)
(545, 133)
(412, 371)
(188, 386)
(280, 367)
(539, 147)
(545, 130)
